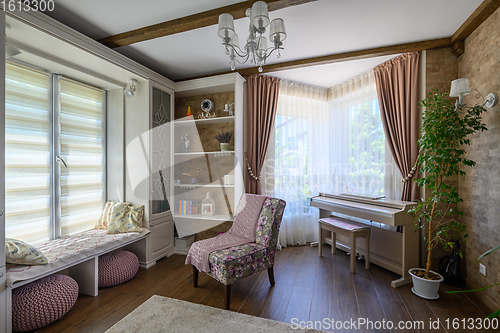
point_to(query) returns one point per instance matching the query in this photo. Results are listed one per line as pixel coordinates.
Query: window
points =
(326, 141)
(46, 117)
(361, 161)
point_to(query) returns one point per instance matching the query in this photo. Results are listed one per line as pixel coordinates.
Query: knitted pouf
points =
(42, 302)
(117, 267)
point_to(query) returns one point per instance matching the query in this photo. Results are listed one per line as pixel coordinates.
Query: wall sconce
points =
(10, 50)
(461, 87)
(129, 93)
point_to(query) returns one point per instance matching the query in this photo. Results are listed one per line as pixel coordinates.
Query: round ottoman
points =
(42, 302)
(116, 268)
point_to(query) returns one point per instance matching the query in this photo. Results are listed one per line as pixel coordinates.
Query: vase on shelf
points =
(224, 146)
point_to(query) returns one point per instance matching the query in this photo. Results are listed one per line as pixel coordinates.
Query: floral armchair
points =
(232, 264)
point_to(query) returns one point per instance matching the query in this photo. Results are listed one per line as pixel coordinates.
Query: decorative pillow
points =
(125, 219)
(106, 213)
(100, 222)
(19, 252)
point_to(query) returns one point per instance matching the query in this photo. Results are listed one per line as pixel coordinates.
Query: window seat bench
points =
(78, 254)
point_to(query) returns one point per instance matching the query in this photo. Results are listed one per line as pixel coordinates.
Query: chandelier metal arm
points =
(242, 55)
(272, 50)
(243, 60)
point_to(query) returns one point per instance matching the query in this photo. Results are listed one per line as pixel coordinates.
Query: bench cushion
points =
(42, 302)
(344, 224)
(65, 251)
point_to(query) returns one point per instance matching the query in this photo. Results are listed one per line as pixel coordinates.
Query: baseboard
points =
(146, 265)
(483, 297)
(181, 250)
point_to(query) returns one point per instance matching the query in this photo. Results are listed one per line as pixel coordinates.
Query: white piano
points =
(395, 251)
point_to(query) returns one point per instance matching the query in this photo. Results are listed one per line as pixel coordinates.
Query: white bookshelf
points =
(217, 217)
(209, 121)
(189, 224)
(215, 153)
(201, 185)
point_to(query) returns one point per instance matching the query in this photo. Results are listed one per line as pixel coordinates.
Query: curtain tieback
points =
(412, 172)
(250, 172)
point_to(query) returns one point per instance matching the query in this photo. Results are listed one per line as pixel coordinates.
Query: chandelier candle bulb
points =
(235, 41)
(277, 32)
(260, 15)
(262, 49)
(226, 26)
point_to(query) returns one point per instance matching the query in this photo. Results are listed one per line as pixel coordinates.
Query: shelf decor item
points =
(229, 108)
(224, 139)
(206, 106)
(207, 206)
(228, 179)
(184, 147)
(193, 174)
(189, 115)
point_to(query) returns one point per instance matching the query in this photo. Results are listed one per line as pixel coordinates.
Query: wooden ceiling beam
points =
(456, 42)
(347, 56)
(485, 9)
(191, 22)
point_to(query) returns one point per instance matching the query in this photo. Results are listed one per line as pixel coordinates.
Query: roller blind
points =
(81, 146)
(27, 153)
(48, 116)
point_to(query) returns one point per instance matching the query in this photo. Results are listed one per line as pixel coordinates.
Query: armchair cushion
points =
(237, 262)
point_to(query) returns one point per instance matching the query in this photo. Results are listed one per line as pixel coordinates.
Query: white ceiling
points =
(314, 29)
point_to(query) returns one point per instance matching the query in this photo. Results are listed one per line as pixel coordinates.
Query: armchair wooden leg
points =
(195, 277)
(228, 296)
(270, 272)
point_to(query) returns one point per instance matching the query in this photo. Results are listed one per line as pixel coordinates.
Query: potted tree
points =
(445, 132)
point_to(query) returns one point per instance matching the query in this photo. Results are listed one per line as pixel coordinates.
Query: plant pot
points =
(424, 288)
(224, 146)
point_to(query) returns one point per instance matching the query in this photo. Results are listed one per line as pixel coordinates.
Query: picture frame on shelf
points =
(228, 179)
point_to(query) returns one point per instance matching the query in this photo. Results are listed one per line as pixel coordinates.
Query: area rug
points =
(163, 314)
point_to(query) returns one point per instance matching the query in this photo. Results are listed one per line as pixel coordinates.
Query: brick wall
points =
(480, 188)
(441, 68)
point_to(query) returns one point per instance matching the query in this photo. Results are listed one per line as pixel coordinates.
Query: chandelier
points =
(256, 47)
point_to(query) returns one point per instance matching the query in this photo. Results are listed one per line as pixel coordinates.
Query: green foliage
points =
(496, 313)
(445, 133)
(489, 252)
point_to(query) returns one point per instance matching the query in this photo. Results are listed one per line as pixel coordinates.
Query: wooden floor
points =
(307, 287)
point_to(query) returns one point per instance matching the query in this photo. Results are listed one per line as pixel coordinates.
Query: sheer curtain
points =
(298, 151)
(326, 141)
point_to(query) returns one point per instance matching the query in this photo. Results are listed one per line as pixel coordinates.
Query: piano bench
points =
(347, 228)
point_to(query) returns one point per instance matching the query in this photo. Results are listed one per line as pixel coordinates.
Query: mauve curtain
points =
(397, 90)
(262, 100)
